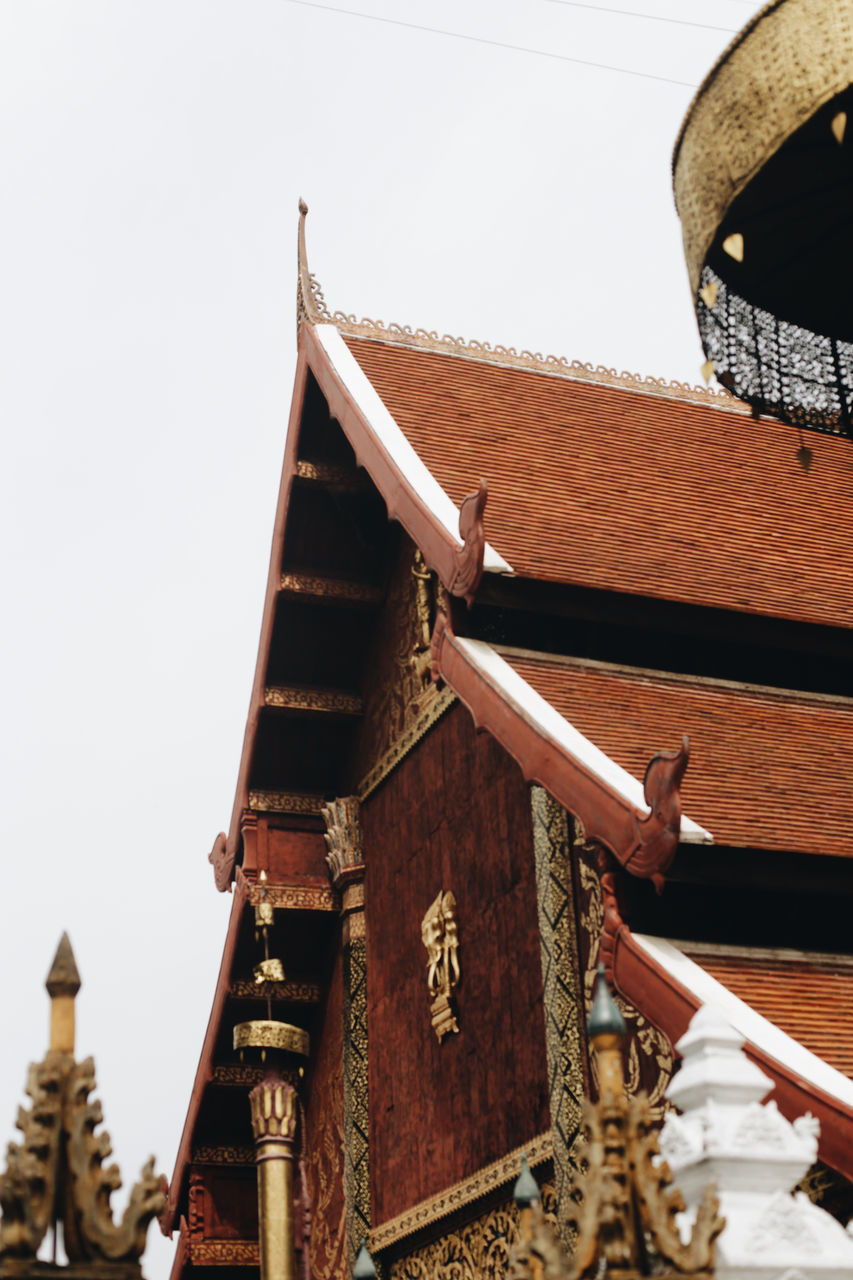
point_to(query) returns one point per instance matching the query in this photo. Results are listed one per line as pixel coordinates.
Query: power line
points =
(496, 44)
(651, 17)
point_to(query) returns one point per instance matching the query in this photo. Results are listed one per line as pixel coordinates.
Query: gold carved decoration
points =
(401, 703)
(648, 1055)
(479, 1184)
(286, 897)
(223, 1155)
(440, 935)
(232, 1075)
(480, 1250)
(779, 70)
(294, 697)
(264, 1033)
(301, 584)
(312, 307)
(291, 992)
(628, 1205)
(224, 1253)
(285, 802)
(344, 845)
(56, 1175)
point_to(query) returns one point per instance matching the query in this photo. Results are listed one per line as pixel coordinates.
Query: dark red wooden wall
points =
(455, 815)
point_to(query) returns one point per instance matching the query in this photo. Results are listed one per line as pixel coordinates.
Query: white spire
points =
(727, 1135)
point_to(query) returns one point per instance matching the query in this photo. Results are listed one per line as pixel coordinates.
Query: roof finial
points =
(63, 983)
(310, 303)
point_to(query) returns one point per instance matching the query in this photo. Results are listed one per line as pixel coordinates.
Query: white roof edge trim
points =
(754, 1026)
(540, 713)
(386, 430)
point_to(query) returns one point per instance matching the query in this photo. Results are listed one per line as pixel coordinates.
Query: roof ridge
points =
(764, 955)
(788, 695)
(312, 308)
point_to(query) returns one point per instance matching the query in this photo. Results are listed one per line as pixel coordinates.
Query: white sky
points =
(152, 154)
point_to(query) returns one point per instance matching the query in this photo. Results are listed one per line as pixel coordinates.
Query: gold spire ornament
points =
(55, 1177)
(624, 1204)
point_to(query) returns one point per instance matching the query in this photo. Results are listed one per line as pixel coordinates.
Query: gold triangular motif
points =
(733, 246)
(707, 370)
(839, 124)
(708, 293)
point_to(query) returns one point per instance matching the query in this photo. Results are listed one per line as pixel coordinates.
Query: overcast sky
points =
(152, 155)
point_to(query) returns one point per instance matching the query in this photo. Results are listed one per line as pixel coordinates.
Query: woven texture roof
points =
(809, 998)
(767, 770)
(612, 487)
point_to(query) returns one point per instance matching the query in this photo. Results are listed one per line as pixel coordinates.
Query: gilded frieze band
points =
(356, 1112)
(563, 996)
(479, 1250)
(479, 1184)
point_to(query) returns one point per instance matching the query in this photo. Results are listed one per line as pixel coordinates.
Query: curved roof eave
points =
(411, 492)
(669, 988)
(613, 806)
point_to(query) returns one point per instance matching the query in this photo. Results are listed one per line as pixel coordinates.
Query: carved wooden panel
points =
(324, 1140)
(648, 1055)
(400, 699)
(477, 1250)
(456, 813)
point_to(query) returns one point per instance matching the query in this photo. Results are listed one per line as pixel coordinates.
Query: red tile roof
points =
(613, 487)
(768, 770)
(810, 998)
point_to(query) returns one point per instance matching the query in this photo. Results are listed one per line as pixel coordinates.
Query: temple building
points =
(555, 669)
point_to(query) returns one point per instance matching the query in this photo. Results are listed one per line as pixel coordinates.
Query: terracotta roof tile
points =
(768, 770)
(809, 998)
(612, 487)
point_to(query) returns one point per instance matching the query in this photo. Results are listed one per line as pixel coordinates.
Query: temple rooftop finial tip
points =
(64, 977)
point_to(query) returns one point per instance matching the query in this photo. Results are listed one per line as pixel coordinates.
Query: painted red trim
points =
(643, 843)
(204, 1071)
(182, 1252)
(256, 701)
(404, 503)
(670, 1006)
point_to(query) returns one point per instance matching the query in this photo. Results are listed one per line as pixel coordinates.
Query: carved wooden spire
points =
(310, 303)
(56, 1174)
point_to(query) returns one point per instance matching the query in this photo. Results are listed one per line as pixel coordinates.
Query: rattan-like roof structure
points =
(763, 180)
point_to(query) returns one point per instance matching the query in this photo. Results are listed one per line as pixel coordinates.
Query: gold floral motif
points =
(223, 1155)
(463, 1193)
(478, 1251)
(561, 983)
(440, 936)
(285, 802)
(649, 1051)
(224, 1253)
(286, 897)
(324, 1176)
(401, 702)
(300, 698)
(301, 584)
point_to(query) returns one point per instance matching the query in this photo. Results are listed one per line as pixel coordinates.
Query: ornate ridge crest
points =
(312, 308)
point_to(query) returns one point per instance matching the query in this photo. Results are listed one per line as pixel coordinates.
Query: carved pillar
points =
(345, 858)
(274, 1111)
(562, 988)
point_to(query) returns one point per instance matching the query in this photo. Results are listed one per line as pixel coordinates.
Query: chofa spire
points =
(310, 303)
(55, 1176)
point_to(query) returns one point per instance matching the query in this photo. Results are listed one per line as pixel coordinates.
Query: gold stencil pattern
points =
(562, 994)
(649, 1054)
(463, 1193)
(401, 703)
(476, 1251)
